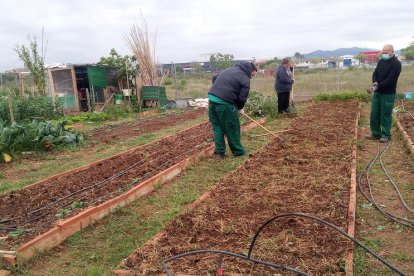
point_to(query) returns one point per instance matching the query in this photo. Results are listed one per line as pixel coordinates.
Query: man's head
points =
(254, 69)
(286, 62)
(387, 51)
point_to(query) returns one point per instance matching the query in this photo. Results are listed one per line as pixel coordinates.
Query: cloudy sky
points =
(81, 31)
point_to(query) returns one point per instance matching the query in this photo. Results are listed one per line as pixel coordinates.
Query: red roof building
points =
(371, 56)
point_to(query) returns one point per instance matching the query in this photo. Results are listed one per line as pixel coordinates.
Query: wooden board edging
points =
(406, 136)
(70, 226)
(349, 267)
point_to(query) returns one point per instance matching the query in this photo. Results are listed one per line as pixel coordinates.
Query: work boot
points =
(384, 140)
(219, 156)
(371, 137)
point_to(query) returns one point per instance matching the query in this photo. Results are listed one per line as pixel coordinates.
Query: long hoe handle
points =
(260, 125)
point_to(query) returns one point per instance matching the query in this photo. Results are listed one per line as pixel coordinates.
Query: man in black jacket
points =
(283, 85)
(384, 80)
(227, 97)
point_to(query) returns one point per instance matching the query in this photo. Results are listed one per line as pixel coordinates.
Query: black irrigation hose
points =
(104, 182)
(278, 266)
(367, 168)
(244, 257)
(333, 226)
(394, 185)
(107, 181)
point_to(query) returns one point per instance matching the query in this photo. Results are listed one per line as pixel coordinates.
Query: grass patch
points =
(343, 96)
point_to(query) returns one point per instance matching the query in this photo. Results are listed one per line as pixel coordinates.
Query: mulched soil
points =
(17, 207)
(406, 118)
(122, 131)
(309, 173)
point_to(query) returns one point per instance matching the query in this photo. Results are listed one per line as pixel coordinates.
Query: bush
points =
(343, 96)
(259, 105)
(28, 108)
(167, 82)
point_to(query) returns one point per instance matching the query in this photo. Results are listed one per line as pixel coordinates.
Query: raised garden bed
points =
(309, 173)
(124, 131)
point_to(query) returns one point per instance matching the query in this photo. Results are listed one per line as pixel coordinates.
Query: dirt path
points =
(309, 173)
(391, 240)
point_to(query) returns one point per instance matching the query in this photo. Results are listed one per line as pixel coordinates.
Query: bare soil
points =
(406, 118)
(124, 131)
(37, 207)
(309, 173)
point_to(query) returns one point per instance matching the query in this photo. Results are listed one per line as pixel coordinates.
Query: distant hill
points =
(338, 52)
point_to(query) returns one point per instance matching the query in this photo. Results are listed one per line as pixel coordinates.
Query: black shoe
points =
(219, 156)
(371, 137)
(384, 140)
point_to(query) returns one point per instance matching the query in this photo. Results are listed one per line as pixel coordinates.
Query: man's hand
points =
(241, 111)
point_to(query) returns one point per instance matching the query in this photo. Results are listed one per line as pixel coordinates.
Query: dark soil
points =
(109, 179)
(309, 173)
(127, 130)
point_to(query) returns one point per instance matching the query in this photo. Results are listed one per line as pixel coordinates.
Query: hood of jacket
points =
(246, 67)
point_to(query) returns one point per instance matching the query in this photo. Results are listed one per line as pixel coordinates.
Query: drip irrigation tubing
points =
(371, 199)
(248, 257)
(106, 181)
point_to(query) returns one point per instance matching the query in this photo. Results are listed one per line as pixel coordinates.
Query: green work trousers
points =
(381, 115)
(224, 119)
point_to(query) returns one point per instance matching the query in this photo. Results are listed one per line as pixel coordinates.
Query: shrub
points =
(343, 96)
(259, 105)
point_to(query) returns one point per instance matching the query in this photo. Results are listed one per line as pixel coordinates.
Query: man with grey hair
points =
(384, 88)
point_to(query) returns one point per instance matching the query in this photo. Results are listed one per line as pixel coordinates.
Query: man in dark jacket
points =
(384, 80)
(283, 85)
(227, 97)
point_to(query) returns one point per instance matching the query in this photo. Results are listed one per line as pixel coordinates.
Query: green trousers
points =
(224, 119)
(381, 115)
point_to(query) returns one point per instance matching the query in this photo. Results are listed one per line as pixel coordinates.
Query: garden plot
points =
(37, 207)
(310, 173)
(124, 131)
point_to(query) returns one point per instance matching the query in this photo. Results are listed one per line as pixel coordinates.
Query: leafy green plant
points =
(36, 135)
(63, 212)
(17, 233)
(76, 204)
(259, 105)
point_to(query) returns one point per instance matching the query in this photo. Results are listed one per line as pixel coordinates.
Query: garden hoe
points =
(292, 108)
(260, 125)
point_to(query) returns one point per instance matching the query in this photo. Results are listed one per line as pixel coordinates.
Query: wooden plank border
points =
(406, 136)
(349, 260)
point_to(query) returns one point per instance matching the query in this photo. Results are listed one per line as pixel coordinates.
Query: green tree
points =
(124, 66)
(362, 58)
(298, 55)
(409, 51)
(196, 66)
(33, 62)
(272, 63)
(221, 61)
(179, 69)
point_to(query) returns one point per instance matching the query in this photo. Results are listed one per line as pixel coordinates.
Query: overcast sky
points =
(81, 31)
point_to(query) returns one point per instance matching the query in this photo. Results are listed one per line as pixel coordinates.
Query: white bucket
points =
(126, 92)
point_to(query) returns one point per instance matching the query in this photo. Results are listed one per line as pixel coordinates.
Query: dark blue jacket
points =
(232, 85)
(386, 75)
(283, 82)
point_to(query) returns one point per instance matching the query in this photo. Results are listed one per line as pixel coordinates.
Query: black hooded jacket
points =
(233, 84)
(386, 75)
